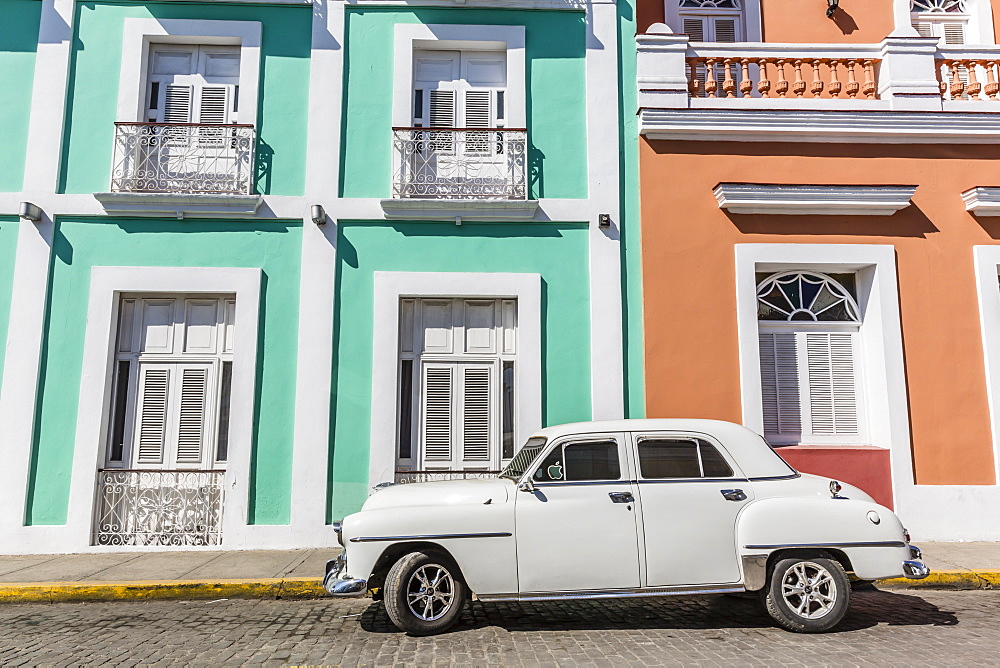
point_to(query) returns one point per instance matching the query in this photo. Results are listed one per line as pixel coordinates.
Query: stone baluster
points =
(694, 86)
(711, 85)
(852, 84)
(869, 87)
(835, 85)
(746, 85)
(992, 87)
(728, 82)
(764, 85)
(974, 88)
(816, 88)
(799, 87)
(957, 85)
(782, 88)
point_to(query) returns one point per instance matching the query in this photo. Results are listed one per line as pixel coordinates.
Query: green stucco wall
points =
(82, 243)
(555, 46)
(283, 94)
(558, 252)
(18, 40)
(8, 245)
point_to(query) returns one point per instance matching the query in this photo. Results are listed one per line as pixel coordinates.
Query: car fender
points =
(869, 535)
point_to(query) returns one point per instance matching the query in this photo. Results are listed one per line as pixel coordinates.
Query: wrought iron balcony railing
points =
(460, 163)
(183, 158)
(155, 507)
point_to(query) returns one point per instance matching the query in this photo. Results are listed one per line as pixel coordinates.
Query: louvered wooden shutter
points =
(442, 115)
(924, 28)
(213, 107)
(154, 391)
(476, 413)
(780, 385)
(437, 411)
(177, 105)
(191, 415)
(694, 28)
(832, 401)
(477, 115)
(954, 33)
(725, 30)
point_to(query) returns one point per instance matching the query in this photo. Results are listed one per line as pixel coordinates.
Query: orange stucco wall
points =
(689, 281)
(796, 21)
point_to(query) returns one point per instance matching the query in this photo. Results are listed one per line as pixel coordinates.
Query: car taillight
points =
(906, 536)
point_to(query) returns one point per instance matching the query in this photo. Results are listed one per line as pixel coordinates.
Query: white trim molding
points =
(138, 34)
(180, 205)
(813, 200)
(390, 286)
(770, 125)
(982, 201)
(883, 374)
(987, 267)
(576, 5)
(460, 209)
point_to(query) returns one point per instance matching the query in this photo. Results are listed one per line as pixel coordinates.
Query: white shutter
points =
(780, 392)
(694, 28)
(442, 108)
(476, 413)
(437, 411)
(213, 107)
(177, 103)
(191, 414)
(154, 388)
(477, 115)
(725, 30)
(924, 28)
(832, 401)
(954, 33)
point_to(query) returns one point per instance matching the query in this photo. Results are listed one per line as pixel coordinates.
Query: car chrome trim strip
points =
(440, 536)
(768, 478)
(639, 592)
(658, 481)
(884, 543)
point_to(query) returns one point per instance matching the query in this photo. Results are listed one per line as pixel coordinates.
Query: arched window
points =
(808, 335)
(948, 19)
(712, 20)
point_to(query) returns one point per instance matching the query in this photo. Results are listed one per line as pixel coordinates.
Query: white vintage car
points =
(620, 509)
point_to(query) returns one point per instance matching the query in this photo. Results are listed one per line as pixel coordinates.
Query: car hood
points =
(442, 492)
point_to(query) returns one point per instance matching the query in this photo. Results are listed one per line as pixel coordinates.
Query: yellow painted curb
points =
(987, 579)
(48, 592)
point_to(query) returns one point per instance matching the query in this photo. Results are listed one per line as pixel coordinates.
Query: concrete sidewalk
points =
(298, 573)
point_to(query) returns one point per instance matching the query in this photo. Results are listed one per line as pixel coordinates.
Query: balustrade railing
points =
(781, 77)
(428, 476)
(157, 507)
(183, 158)
(968, 79)
(460, 163)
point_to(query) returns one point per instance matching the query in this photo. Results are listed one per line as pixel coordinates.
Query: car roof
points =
(752, 454)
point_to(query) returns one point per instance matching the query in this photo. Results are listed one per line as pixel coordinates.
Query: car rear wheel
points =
(807, 594)
(424, 593)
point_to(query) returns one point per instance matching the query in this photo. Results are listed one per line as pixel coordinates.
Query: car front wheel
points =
(424, 593)
(807, 594)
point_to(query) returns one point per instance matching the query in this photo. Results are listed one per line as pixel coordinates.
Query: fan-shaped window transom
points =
(938, 6)
(797, 296)
(710, 4)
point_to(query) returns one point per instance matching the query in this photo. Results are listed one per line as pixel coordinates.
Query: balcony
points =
(473, 173)
(155, 507)
(902, 90)
(182, 168)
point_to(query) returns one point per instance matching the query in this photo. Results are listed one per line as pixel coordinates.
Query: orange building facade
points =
(819, 208)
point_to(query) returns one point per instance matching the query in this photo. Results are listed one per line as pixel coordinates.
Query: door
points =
(689, 524)
(577, 530)
(458, 430)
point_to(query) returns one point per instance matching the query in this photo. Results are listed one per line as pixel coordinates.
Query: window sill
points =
(765, 198)
(179, 205)
(458, 210)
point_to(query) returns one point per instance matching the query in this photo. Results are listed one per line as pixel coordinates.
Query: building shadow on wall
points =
(990, 224)
(910, 222)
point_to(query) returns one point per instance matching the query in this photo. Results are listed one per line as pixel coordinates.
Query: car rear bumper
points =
(914, 569)
(342, 587)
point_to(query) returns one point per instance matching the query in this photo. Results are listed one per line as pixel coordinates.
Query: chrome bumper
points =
(345, 587)
(915, 569)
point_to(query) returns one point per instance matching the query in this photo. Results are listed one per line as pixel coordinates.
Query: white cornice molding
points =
(813, 200)
(576, 5)
(179, 205)
(982, 200)
(881, 127)
(458, 210)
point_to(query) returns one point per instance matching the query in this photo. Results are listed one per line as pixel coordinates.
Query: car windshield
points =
(522, 460)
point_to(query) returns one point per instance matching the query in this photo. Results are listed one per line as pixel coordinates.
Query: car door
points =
(577, 529)
(690, 492)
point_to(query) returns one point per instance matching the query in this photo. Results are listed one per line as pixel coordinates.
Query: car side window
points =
(591, 460)
(681, 458)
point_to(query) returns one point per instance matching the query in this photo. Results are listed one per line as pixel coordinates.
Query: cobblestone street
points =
(883, 627)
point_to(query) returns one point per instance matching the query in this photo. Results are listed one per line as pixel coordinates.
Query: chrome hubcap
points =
(809, 590)
(430, 592)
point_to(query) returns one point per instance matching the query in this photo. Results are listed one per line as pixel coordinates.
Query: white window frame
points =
(457, 37)
(107, 284)
(979, 29)
(389, 288)
(139, 34)
(751, 27)
(987, 268)
(883, 376)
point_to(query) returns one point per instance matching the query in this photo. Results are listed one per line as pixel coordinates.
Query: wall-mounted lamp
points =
(604, 220)
(831, 7)
(318, 214)
(30, 211)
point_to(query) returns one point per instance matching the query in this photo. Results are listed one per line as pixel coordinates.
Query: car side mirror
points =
(527, 486)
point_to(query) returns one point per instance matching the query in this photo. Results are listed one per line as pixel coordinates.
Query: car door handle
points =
(621, 497)
(734, 494)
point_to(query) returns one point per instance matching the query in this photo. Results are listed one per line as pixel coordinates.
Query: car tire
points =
(424, 593)
(807, 593)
